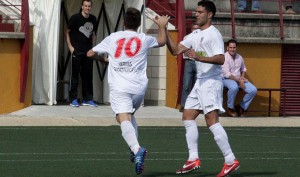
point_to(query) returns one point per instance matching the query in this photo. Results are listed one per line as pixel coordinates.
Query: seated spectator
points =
(289, 7)
(242, 4)
(233, 73)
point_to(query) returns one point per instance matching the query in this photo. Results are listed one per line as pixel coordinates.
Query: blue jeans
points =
(243, 3)
(189, 78)
(233, 89)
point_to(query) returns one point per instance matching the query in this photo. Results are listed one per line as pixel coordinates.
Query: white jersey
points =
(207, 43)
(128, 60)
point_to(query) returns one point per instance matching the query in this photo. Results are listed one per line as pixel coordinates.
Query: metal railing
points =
(10, 16)
(272, 15)
(276, 12)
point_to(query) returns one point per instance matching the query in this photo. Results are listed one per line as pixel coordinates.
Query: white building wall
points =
(157, 66)
(156, 71)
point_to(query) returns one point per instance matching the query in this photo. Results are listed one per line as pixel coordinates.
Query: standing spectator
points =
(233, 71)
(242, 4)
(206, 46)
(189, 75)
(289, 7)
(80, 37)
(127, 77)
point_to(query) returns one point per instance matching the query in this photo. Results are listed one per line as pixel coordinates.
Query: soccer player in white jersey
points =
(206, 46)
(127, 77)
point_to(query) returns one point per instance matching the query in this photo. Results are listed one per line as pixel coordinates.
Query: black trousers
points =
(83, 66)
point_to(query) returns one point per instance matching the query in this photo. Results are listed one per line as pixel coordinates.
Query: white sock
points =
(221, 139)
(129, 136)
(191, 136)
(135, 125)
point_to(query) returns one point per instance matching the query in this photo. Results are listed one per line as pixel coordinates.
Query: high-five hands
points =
(161, 21)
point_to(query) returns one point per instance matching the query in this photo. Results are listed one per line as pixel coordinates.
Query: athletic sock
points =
(191, 136)
(135, 125)
(221, 139)
(129, 136)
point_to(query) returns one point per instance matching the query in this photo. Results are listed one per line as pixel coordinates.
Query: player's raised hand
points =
(161, 21)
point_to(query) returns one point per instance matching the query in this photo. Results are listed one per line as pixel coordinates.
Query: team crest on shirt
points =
(87, 29)
(201, 42)
(201, 53)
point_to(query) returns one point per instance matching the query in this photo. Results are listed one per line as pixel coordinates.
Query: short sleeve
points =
(151, 41)
(187, 41)
(103, 46)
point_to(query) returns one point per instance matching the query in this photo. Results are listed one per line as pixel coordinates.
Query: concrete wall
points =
(157, 65)
(156, 71)
(266, 6)
(260, 28)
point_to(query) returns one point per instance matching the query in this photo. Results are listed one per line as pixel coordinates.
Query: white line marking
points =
(127, 159)
(125, 153)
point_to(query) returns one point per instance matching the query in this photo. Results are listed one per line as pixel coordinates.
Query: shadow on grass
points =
(168, 174)
(205, 174)
(240, 174)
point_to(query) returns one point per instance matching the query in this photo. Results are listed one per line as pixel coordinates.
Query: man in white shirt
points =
(127, 77)
(206, 46)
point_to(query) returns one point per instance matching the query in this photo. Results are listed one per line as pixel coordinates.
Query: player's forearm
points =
(217, 59)
(172, 46)
(162, 37)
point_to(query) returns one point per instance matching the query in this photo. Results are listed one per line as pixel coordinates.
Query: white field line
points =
(118, 153)
(127, 159)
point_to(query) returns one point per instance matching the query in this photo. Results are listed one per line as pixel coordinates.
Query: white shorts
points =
(206, 95)
(122, 102)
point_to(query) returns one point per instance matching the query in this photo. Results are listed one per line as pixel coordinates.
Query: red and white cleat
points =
(189, 166)
(227, 169)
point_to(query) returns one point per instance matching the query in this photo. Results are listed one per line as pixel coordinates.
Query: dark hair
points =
(231, 41)
(209, 6)
(86, 1)
(132, 18)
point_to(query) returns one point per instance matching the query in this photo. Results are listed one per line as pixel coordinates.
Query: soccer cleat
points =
(131, 156)
(189, 166)
(227, 169)
(139, 160)
(74, 103)
(89, 103)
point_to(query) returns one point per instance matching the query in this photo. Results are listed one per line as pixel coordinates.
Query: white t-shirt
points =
(128, 60)
(208, 43)
(185, 57)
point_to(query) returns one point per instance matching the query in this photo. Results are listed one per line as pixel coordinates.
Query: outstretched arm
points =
(162, 23)
(174, 48)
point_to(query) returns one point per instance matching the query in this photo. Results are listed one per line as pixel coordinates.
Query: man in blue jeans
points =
(242, 4)
(233, 73)
(189, 75)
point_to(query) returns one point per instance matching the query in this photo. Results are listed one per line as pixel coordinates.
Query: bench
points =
(270, 90)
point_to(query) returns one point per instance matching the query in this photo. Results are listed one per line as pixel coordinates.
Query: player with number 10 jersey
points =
(127, 76)
(128, 60)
